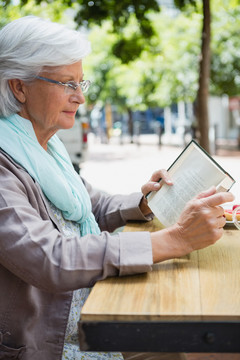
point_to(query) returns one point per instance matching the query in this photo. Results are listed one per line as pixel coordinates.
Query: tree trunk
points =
(130, 124)
(204, 73)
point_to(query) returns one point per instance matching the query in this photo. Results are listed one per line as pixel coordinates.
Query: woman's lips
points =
(70, 112)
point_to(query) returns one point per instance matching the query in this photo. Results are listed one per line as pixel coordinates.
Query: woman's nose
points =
(78, 96)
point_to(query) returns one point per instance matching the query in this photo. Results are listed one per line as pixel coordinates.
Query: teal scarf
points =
(52, 169)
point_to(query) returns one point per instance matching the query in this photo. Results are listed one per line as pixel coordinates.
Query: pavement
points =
(124, 167)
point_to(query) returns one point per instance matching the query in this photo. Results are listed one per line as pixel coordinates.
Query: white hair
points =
(27, 45)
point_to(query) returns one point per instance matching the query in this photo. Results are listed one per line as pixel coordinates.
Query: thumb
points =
(211, 191)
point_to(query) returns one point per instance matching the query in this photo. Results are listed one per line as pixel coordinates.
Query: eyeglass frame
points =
(84, 84)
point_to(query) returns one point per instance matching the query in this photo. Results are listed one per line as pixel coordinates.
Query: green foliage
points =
(134, 68)
(11, 10)
(182, 3)
(225, 67)
(97, 11)
(128, 49)
(165, 71)
(121, 14)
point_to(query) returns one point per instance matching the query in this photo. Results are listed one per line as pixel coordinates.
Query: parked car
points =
(76, 140)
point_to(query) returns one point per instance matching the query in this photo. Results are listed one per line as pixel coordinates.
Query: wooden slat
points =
(220, 278)
(204, 285)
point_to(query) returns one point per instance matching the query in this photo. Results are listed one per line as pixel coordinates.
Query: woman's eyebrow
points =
(71, 77)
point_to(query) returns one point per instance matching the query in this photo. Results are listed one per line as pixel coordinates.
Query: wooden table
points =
(189, 304)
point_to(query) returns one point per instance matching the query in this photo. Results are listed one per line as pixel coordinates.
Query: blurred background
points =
(163, 72)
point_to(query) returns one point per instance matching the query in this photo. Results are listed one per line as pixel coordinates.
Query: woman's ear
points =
(18, 88)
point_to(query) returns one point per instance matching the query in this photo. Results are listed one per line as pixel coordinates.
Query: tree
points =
(204, 74)
(204, 71)
(205, 67)
(167, 72)
(101, 10)
(159, 77)
(140, 68)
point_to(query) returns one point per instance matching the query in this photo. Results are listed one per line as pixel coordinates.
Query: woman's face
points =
(49, 106)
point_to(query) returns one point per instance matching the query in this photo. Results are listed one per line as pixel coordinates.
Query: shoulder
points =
(12, 171)
(15, 182)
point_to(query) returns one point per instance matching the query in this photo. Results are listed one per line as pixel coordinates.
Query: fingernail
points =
(156, 185)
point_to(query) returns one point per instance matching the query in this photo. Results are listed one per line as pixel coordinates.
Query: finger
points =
(149, 187)
(216, 212)
(161, 175)
(154, 186)
(212, 190)
(220, 211)
(218, 199)
(157, 179)
(221, 221)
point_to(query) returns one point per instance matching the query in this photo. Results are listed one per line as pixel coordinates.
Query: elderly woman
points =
(55, 234)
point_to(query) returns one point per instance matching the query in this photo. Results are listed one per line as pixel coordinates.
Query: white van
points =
(76, 140)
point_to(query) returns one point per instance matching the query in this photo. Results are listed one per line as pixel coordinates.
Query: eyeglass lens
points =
(72, 86)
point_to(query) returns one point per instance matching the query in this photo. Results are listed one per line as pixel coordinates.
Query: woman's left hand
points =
(155, 183)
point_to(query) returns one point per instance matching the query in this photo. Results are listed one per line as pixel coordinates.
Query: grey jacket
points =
(40, 267)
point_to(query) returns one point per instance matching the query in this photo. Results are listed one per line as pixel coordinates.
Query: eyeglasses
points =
(70, 85)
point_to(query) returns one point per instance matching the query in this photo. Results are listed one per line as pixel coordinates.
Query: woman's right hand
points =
(200, 225)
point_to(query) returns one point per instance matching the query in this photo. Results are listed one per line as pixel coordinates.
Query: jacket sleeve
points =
(113, 211)
(33, 248)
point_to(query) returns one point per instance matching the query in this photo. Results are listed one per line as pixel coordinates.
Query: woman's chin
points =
(68, 122)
